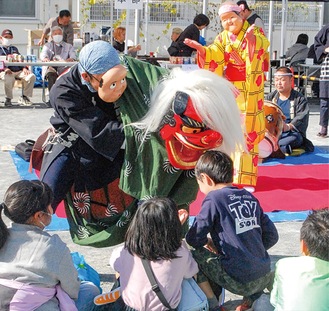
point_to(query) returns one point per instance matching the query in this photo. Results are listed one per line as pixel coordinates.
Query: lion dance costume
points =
(166, 130)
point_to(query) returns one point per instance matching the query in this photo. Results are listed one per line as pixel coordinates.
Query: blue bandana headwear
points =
(98, 57)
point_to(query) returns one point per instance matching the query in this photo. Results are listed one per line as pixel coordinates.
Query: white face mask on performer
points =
(58, 38)
(6, 42)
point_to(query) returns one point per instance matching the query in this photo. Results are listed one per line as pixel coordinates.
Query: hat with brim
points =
(7, 32)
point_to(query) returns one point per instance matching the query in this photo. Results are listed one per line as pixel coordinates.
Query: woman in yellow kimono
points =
(239, 53)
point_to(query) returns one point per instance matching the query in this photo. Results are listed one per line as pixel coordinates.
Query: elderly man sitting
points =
(296, 109)
(56, 50)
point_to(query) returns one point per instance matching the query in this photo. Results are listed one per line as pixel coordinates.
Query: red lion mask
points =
(186, 136)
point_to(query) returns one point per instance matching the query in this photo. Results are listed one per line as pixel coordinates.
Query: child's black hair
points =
(155, 231)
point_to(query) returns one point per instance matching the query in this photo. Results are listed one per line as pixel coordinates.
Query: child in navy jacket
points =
(230, 235)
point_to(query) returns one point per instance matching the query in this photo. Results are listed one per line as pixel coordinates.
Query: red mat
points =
(288, 188)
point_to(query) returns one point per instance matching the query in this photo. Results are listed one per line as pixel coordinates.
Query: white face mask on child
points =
(6, 42)
(58, 38)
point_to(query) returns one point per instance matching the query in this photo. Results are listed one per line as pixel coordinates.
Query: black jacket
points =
(300, 111)
(81, 113)
(178, 48)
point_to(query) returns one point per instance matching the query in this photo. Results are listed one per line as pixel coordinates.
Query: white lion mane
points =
(213, 100)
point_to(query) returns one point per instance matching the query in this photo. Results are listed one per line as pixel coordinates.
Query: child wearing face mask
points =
(56, 50)
(11, 73)
(36, 268)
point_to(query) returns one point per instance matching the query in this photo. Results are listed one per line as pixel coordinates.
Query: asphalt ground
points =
(20, 123)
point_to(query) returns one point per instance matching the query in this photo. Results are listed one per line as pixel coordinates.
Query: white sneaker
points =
(24, 101)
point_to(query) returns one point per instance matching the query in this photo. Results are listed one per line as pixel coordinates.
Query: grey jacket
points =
(297, 53)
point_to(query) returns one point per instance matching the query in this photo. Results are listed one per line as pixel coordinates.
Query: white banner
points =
(129, 4)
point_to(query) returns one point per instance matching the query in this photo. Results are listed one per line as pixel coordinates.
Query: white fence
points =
(303, 17)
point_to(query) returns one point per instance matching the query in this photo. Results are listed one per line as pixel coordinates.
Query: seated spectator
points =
(119, 36)
(230, 235)
(178, 47)
(36, 268)
(171, 261)
(175, 34)
(296, 109)
(56, 50)
(250, 15)
(12, 73)
(301, 283)
(297, 53)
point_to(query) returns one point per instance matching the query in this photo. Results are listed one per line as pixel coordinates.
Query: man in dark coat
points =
(178, 47)
(321, 47)
(296, 109)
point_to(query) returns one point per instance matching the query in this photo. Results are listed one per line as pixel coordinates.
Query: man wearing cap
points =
(296, 109)
(239, 53)
(11, 73)
(63, 20)
(86, 150)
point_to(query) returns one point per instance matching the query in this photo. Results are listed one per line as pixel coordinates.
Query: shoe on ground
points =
(24, 101)
(108, 297)
(8, 102)
(297, 152)
(288, 150)
(321, 134)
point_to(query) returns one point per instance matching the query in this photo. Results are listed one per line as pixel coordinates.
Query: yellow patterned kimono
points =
(243, 64)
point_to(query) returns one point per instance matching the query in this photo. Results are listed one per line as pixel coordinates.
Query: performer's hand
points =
(183, 215)
(196, 45)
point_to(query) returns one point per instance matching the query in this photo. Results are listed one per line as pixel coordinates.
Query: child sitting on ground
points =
(155, 234)
(302, 283)
(235, 255)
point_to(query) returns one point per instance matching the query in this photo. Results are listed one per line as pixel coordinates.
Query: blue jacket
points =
(240, 230)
